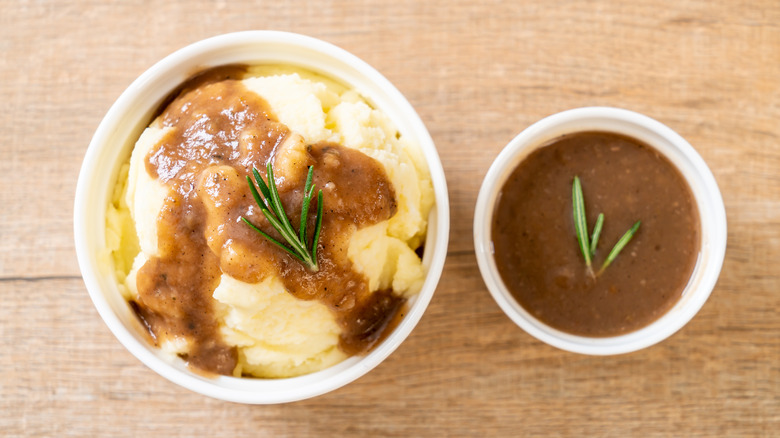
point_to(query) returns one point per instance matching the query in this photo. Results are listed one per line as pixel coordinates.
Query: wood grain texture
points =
(477, 73)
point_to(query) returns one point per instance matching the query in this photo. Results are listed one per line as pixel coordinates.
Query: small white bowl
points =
(111, 146)
(712, 216)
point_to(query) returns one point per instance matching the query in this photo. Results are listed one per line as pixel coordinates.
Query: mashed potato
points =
(276, 334)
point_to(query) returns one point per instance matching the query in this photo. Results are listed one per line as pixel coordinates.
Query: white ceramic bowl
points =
(705, 191)
(111, 146)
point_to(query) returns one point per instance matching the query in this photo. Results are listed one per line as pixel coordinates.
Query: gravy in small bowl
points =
(632, 169)
(536, 250)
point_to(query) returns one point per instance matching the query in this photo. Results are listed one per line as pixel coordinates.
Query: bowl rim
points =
(335, 62)
(664, 140)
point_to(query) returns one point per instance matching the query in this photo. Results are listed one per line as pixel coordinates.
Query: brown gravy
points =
(536, 249)
(221, 132)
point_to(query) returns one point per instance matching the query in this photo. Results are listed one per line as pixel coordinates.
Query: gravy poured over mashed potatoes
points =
(214, 292)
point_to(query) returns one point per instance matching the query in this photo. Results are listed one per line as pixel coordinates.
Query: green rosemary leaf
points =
(306, 200)
(580, 223)
(596, 233)
(255, 195)
(276, 201)
(274, 241)
(620, 245)
(263, 188)
(318, 227)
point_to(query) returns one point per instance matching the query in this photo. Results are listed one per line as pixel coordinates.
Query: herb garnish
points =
(271, 206)
(581, 228)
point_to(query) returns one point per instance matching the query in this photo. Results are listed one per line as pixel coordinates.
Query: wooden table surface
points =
(477, 73)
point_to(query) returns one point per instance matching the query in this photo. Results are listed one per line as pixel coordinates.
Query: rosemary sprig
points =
(581, 228)
(271, 205)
